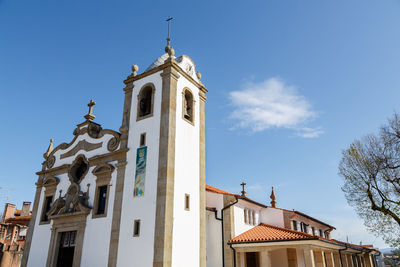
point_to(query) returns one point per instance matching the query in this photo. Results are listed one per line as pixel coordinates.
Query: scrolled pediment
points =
(50, 180)
(103, 169)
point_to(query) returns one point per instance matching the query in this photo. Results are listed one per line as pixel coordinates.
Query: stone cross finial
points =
(49, 149)
(273, 198)
(243, 192)
(90, 115)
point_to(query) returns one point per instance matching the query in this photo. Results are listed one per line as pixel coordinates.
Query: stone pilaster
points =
(166, 170)
(203, 231)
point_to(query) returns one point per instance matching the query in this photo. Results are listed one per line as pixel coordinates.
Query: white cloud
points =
(272, 104)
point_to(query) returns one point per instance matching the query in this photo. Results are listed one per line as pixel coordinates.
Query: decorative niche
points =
(78, 169)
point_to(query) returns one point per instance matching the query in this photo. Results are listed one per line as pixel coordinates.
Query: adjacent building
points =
(13, 229)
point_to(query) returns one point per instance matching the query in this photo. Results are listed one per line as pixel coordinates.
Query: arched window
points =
(188, 106)
(145, 102)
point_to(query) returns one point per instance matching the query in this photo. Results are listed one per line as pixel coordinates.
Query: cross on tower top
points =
(243, 192)
(169, 29)
(90, 115)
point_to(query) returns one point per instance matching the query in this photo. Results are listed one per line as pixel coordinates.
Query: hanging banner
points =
(140, 175)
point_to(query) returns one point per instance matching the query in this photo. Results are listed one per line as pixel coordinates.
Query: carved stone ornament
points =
(113, 144)
(78, 169)
(50, 161)
(50, 181)
(73, 202)
(82, 145)
(94, 130)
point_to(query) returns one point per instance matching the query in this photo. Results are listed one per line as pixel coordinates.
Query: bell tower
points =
(159, 209)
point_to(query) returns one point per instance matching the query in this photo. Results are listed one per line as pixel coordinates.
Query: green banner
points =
(140, 175)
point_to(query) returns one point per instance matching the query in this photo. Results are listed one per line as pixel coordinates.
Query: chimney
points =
(8, 211)
(25, 208)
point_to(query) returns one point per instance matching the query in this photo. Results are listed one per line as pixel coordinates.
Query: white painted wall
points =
(138, 251)
(214, 241)
(240, 225)
(94, 253)
(186, 234)
(272, 216)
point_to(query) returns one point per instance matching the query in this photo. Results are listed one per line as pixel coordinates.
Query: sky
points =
(291, 84)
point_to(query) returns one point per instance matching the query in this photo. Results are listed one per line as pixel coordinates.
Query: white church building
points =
(138, 196)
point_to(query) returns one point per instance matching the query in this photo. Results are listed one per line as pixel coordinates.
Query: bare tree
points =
(371, 171)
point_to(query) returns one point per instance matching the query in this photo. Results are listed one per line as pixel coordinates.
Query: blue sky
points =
(314, 75)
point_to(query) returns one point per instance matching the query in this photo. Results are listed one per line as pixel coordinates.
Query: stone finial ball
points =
(170, 50)
(198, 74)
(135, 68)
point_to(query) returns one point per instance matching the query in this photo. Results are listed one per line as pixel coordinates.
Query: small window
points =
(47, 206)
(145, 102)
(313, 230)
(294, 225)
(2, 231)
(136, 228)
(254, 217)
(320, 233)
(188, 106)
(245, 215)
(101, 199)
(305, 228)
(187, 202)
(142, 139)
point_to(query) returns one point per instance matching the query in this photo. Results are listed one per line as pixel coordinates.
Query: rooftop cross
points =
(243, 192)
(169, 29)
(90, 115)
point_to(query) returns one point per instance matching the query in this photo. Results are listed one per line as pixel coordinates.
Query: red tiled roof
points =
(19, 220)
(266, 232)
(213, 189)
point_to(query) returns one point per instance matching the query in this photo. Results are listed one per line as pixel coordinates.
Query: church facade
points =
(138, 197)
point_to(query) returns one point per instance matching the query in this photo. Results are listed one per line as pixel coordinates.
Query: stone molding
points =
(103, 173)
(94, 130)
(153, 91)
(78, 158)
(82, 145)
(193, 106)
(202, 183)
(166, 171)
(75, 222)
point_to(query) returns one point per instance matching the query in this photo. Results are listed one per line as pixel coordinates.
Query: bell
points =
(186, 113)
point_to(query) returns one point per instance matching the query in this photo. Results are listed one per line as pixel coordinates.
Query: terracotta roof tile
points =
(266, 232)
(213, 189)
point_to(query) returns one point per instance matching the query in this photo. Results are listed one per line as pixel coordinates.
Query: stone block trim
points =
(166, 171)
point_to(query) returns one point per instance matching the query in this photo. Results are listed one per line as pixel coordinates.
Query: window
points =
(2, 231)
(101, 199)
(245, 216)
(46, 207)
(145, 102)
(294, 225)
(327, 234)
(188, 106)
(304, 227)
(320, 233)
(313, 230)
(136, 228)
(187, 202)
(142, 139)
(16, 234)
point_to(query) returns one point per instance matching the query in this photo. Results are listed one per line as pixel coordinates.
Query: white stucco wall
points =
(138, 251)
(186, 234)
(94, 253)
(240, 225)
(272, 216)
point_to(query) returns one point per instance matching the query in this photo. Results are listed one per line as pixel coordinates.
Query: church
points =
(138, 196)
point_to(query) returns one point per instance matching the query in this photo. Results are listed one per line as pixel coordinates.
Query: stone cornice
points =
(168, 63)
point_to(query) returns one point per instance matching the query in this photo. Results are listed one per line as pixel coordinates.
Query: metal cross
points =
(243, 192)
(169, 29)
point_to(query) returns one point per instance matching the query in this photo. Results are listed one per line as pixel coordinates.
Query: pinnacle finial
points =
(243, 191)
(168, 48)
(273, 198)
(90, 115)
(135, 69)
(49, 149)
